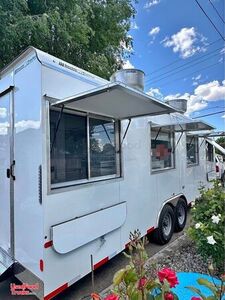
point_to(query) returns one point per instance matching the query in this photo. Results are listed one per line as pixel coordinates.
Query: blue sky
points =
(181, 54)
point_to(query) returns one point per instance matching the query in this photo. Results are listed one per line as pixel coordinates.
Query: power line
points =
(218, 14)
(175, 61)
(188, 63)
(215, 113)
(202, 9)
(178, 78)
(173, 73)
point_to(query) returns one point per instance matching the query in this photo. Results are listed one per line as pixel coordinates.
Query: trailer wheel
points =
(180, 215)
(165, 229)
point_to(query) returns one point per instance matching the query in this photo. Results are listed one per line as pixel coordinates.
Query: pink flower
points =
(112, 297)
(196, 298)
(169, 275)
(142, 283)
(169, 296)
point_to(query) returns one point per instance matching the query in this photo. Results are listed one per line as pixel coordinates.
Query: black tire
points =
(164, 232)
(180, 215)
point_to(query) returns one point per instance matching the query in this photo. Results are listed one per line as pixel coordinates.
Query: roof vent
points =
(179, 104)
(132, 77)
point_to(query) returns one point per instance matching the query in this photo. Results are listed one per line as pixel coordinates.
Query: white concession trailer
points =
(83, 162)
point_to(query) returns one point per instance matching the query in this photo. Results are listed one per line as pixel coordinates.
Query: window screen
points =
(72, 157)
(161, 150)
(68, 147)
(102, 147)
(192, 150)
(209, 152)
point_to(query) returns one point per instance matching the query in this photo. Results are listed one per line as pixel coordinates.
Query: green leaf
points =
(197, 291)
(130, 276)
(118, 277)
(208, 284)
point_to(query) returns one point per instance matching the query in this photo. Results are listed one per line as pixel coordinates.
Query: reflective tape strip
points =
(56, 292)
(101, 262)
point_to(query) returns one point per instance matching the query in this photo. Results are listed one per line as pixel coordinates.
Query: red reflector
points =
(101, 262)
(217, 169)
(56, 292)
(150, 230)
(41, 263)
(48, 244)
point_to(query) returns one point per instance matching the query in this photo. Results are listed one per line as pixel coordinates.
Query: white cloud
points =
(223, 116)
(204, 93)
(211, 91)
(27, 124)
(154, 92)
(127, 65)
(151, 3)
(196, 79)
(4, 127)
(154, 31)
(3, 112)
(20, 126)
(222, 51)
(186, 42)
(134, 26)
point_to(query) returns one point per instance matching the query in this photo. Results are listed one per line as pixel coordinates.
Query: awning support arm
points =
(178, 141)
(125, 133)
(204, 139)
(57, 127)
(191, 140)
(106, 132)
(158, 133)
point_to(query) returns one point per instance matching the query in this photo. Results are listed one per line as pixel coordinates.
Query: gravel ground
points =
(183, 259)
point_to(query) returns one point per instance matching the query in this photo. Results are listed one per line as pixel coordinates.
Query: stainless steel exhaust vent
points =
(180, 104)
(132, 77)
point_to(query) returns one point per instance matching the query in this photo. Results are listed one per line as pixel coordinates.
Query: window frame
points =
(89, 179)
(172, 138)
(195, 137)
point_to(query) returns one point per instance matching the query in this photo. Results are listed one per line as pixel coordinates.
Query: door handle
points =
(10, 171)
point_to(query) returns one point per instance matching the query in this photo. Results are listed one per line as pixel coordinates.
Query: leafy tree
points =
(221, 141)
(91, 34)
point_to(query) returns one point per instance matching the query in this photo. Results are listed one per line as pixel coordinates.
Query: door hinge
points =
(10, 171)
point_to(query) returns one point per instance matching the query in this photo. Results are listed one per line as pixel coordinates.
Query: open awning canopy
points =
(114, 100)
(217, 146)
(187, 126)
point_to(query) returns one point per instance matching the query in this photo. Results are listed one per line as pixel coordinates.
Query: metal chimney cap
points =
(131, 77)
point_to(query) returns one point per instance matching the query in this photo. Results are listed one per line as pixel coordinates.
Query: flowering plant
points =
(208, 223)
(134, 283)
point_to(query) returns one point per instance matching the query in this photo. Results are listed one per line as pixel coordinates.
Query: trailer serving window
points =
(192, 150)
(82, 147)
(162, 155)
